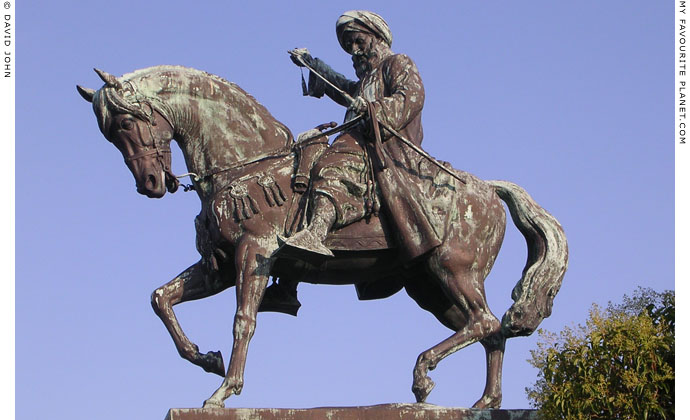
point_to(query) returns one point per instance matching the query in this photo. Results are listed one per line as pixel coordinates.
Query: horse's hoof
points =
(212, 362)
(422, 388)
(488, 402)
(211, 403)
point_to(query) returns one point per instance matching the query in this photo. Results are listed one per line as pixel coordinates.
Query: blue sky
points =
(572, 101)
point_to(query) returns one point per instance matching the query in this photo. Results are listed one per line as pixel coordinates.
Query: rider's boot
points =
(307, 244)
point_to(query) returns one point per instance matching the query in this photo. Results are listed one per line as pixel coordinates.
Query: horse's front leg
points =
(253, 267)
(193, 283)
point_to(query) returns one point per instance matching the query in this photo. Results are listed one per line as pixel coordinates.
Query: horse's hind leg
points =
(464, 287)
(494, 346)
(193, 283)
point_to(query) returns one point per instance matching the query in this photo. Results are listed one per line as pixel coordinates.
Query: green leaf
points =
(620, 364)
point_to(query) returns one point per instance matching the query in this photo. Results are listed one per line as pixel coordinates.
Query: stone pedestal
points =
(374, 412)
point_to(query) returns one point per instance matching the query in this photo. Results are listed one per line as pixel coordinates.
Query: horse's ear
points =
(109, 79)
(86, 93)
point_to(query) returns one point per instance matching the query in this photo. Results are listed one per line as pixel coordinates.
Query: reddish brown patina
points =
(246, 170)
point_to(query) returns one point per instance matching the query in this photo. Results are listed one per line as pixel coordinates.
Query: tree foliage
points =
(619, 365)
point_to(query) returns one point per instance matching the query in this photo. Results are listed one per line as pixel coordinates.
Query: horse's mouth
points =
(152, 186)
(151, 194)
(171, 183)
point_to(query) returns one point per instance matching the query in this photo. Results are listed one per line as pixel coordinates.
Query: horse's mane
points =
(172, 69)
(144, 90)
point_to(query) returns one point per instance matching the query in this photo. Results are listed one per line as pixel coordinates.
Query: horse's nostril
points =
(150, 182)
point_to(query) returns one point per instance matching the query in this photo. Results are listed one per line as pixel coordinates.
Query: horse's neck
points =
(219, 134)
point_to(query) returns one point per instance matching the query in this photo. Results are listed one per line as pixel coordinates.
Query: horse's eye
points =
(127, 124)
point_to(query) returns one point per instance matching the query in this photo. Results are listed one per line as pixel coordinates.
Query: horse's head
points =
(140, 132)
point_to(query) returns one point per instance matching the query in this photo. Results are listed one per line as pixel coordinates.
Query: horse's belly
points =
(352, 267)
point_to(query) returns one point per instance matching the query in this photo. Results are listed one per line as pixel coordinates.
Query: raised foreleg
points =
(193, 283)
(253, 269)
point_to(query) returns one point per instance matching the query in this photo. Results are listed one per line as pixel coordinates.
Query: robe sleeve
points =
(404, 97)
(318, 87)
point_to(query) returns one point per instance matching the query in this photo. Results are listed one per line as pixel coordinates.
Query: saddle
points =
(371, 233)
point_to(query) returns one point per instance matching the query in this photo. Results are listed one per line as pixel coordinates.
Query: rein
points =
(276, 153)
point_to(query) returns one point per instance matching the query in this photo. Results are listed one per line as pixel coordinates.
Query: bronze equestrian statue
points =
(436, 235)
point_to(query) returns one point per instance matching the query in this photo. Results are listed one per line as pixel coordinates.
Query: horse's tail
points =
(547, 260)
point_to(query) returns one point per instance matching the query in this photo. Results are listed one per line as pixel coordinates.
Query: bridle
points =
(161, 152)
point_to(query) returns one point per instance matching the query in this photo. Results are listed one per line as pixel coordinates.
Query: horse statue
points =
(243, 162)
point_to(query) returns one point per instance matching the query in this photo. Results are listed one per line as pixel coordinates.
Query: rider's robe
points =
(396, 90)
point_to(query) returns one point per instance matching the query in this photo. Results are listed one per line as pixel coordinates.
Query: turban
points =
(363, 21)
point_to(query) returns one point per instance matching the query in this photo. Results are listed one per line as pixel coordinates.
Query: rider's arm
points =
(318, 87)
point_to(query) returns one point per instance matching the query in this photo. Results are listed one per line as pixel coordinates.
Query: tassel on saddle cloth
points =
(244, 205)
(272, 192)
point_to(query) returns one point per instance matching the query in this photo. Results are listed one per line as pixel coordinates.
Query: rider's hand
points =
(303, 54)
(359, 105)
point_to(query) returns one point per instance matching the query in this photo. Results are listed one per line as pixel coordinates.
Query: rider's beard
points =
(364, 62)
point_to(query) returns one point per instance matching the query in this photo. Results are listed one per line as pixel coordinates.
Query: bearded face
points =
(365, 49)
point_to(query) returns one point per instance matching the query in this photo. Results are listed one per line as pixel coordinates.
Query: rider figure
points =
(390, 86)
